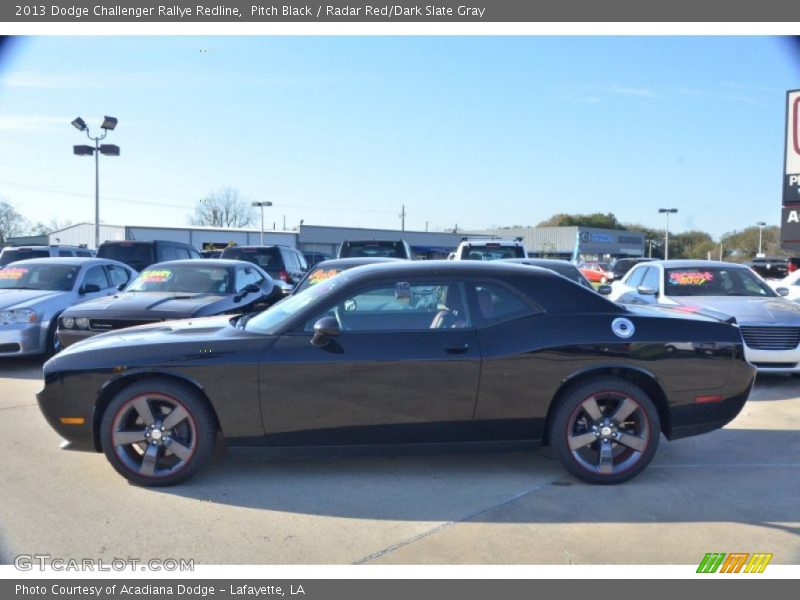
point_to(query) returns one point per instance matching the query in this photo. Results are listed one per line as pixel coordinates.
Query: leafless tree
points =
(225, 207)
(11, 222)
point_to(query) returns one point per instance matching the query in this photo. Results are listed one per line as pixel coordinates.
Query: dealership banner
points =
(728, 587)
(790, 217)
(576, 11)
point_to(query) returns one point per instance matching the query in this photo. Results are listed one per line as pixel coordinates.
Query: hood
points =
(167, 304)
(24, 298)
(201, 329)
(747, 310)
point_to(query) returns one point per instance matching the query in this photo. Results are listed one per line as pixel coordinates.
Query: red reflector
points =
(792, 267)
(705, 399)
(284, 276)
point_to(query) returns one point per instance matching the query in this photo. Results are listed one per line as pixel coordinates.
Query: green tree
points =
(599, 220)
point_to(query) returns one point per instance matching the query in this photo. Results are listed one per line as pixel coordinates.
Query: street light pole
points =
(761, 225)
(667, 212)
(109, 123)
(261, 205)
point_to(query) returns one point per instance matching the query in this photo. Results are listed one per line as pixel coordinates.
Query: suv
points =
(622, 265)
(12, 254)
(283, 263)
(485, 249)
(140, 255)
(375, 249)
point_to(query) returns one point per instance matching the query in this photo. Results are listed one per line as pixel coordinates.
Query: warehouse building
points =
(575, 243)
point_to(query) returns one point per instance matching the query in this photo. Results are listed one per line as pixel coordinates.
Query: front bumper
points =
(774, 361)
(67, 337)
(19, 339)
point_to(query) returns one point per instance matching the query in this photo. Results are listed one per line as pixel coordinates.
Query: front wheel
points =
(157, 432)
(605, 431)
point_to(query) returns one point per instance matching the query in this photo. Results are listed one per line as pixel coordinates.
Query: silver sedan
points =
(34, 292)
(770, 324)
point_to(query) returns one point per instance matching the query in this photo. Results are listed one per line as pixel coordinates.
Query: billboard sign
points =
(790, 223)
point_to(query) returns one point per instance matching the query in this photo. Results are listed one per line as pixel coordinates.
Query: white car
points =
(488, 249)
(770, 324)
(791, 282)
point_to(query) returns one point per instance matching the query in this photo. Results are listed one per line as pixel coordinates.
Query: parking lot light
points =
(667, 211)
(109, 123)
(262, 205)
(760, 225)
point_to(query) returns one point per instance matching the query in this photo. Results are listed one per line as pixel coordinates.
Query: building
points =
(575, 243)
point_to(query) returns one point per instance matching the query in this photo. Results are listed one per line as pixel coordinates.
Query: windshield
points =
(271, 320)
(136, 255)
(268, 258)
(715, 281)
(319, 274)
(9, 255)
(371, 248)
(182, 278)
(56, 278)
(491, 252)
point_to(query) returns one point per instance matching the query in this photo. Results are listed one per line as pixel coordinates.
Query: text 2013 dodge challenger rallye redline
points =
(403, 353)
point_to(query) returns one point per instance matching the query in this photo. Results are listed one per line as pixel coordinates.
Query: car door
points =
(404, 368)
(95, 276)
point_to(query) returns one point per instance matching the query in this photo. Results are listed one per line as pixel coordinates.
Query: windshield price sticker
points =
(690, 278)
(12, 273)
(322, 275)
(156, 276)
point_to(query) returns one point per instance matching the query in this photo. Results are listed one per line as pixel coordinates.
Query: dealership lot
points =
(732, 490)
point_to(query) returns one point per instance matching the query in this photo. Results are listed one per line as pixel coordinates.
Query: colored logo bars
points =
(714, 562)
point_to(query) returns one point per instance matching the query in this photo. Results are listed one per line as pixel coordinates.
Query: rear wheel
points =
(605, 431)
(156, 432)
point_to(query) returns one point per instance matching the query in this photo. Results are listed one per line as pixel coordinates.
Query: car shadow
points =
(23, 367)
(725, 476)
(775, 386)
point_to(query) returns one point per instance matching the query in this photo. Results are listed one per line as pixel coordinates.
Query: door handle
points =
(457, 348)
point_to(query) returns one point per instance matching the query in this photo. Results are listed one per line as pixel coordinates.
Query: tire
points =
(52, 343)
(149, 447)
(593, 442)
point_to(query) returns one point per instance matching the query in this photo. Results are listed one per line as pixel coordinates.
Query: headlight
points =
(68, 322)
(82, 322)
(18, 315)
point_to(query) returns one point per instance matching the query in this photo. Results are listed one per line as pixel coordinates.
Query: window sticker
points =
(156, 276)
(690, 277)
(12, 273)
(322, 275)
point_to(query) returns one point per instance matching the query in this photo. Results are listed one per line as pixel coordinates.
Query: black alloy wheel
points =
(605, 431)
(157, 432)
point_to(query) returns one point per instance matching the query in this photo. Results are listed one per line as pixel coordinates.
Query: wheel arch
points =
(111, 388)
(640, 377)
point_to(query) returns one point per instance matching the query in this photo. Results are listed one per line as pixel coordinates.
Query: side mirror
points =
(121, 286)
(252, 288)
(604, 289)
(782, 291)
(89, 288)
(325, 329)
(647, 291)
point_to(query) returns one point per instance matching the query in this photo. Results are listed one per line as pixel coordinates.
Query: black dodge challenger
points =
(401, 353)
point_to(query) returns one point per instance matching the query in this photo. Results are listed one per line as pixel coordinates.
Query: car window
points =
(497, 304)
(171, 253)
(136, 254)
(82, 253)
(650, 279)
(10, 255)
(117, 275)
(246, 276)
(289, 260)
(491, 252)
(268, 259)
(65, 253)
(96, 276)
(401, 306)
(301, 261)
(715, 281)
(196, 279)
(634, 280)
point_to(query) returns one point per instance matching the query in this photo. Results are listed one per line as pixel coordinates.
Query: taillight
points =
(284, 276)
(792, 267)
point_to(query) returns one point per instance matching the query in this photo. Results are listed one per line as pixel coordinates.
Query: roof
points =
(204, 262)
(411, 268)
(696, 264)
(76, 261)
(356, 260)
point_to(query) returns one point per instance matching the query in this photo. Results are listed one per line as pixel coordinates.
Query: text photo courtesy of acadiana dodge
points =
(99, 591)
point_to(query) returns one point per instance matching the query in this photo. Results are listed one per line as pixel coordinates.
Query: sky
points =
(477, 131)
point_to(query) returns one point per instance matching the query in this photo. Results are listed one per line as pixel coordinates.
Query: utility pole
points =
(403, 218)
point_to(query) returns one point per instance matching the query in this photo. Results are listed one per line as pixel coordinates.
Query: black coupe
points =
(176, 289)
(401, 353)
